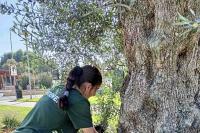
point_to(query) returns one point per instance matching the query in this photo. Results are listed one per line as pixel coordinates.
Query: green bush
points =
(10, 122)
(106, 104)
(23, 81)
(105, 108)
(45, 80)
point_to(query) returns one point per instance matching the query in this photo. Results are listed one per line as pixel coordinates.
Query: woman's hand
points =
(89, 130)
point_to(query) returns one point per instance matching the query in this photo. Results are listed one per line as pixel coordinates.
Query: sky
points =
(6, 22)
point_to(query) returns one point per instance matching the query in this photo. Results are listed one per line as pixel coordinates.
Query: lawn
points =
(18, 112)
(28, 100)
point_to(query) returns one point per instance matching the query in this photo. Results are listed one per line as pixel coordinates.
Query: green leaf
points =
(181, 23)
(192, 11)
(87, 14)
(182, 18)
(122, 5)
(195, 25)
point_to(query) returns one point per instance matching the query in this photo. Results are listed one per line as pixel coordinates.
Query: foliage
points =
(21, 68)
(45, 80)
(69, 31)
(9, 63)
(18, 112)
(106, 103)
(18, 56)
(10, 122)
(190, 26)
(37, 63)
(5, 57)
(105, 108)
(117, 76)
(24, 81)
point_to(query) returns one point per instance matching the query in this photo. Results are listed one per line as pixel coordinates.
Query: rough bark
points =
(162, 92)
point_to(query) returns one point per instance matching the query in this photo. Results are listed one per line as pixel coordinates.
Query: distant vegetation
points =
(41, 69)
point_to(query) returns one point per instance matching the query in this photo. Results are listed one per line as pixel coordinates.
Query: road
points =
(11, 100)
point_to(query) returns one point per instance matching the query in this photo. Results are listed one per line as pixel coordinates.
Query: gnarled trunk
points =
(162, 92)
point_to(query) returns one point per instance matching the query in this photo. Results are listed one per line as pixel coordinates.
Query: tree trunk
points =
(161, 92)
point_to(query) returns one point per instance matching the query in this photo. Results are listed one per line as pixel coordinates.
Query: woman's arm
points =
(89, 130)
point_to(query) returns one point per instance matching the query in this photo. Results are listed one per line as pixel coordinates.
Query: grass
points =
(18, 112)
(28, 100)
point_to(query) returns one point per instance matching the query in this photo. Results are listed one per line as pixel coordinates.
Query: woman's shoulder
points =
(75, 97)
(57, 89)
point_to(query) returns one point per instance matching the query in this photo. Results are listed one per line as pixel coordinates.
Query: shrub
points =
(10, 122)
(105, 108)
(23, 81)
(45, 80)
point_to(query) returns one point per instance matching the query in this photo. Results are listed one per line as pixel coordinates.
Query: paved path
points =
(22, 104)
(11, 100)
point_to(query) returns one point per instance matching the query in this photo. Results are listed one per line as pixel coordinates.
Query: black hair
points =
(77, 76)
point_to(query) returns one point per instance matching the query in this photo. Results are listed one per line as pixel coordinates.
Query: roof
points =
(4, 71)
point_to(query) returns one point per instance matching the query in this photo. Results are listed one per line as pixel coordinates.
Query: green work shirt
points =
(46, 116)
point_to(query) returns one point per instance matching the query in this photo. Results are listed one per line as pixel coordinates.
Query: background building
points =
(6, 80)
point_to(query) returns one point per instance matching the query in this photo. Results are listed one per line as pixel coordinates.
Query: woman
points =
(65, 109)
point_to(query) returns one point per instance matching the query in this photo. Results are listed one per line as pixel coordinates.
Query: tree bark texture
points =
(161, 93)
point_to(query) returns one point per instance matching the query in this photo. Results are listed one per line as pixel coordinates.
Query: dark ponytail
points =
(73, 78)
(77, 76)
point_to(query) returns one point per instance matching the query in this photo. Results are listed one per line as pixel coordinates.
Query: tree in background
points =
(19, 56)
(45, 80)
(4, 59)
(41, 69)
(161, 90)
(24, 81)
